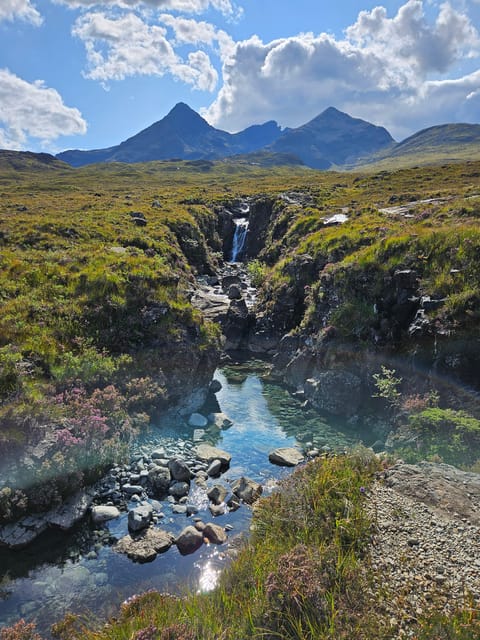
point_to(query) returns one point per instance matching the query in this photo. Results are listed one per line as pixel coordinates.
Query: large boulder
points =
(189, 540)
(335, 391)
(214, 533)
(237, 324)
(140, 517)
(159, 478)
(179, 490)
(179, 470)
(247, 489)
(286, 457)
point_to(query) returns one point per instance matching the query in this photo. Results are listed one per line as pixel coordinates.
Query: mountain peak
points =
(182, 112)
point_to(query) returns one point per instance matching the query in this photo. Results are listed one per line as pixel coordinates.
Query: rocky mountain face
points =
(332, 138)
(181, 134)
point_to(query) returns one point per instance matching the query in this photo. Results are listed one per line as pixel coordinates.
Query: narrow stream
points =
(80, 572)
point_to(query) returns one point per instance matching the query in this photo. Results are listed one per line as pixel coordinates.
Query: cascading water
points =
(239, 237)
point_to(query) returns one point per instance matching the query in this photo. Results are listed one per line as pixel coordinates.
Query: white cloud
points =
(226, 7)
(22, 9)
(384, 70)
(33, 110)
(409, 37)
(127, 46)
(189, 31)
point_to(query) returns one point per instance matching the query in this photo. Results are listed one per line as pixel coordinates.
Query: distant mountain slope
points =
(183, 134)
(441, 143)
(333, 138)
(28, 161)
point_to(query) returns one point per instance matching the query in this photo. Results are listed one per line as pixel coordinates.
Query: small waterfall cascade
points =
(240, 235)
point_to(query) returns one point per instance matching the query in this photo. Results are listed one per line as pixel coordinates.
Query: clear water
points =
(55, 575)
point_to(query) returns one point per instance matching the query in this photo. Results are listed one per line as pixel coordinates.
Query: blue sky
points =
(90, 73)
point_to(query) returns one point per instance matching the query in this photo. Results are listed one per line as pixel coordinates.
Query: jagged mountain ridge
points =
(181, 134)
(332, 138)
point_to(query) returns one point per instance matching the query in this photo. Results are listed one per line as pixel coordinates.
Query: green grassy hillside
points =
(436, 145)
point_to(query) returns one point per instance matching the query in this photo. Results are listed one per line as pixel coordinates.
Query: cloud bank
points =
(226, 7)
(389, 70)
(33, 110)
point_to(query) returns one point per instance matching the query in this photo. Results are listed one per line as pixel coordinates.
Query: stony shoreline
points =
(425, 550)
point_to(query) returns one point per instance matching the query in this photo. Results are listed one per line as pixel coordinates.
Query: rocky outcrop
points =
(260, 217)
(20, 534)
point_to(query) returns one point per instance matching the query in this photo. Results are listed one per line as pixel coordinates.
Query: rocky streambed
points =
(172, 516)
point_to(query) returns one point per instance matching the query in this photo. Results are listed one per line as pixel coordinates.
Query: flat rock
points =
(132, 489)
(20, 534)
(71, 511)
(207, 453)
(286, 457)
(146, 546)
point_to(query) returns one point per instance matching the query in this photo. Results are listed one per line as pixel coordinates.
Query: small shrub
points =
(257, 272)
(387, 386)
(20, 631)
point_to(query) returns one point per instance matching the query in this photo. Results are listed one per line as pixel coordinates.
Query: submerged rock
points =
(197, 420)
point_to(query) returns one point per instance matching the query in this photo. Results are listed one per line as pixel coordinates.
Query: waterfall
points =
(239, 237)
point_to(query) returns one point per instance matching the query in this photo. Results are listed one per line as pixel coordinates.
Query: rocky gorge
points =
(327, 296)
